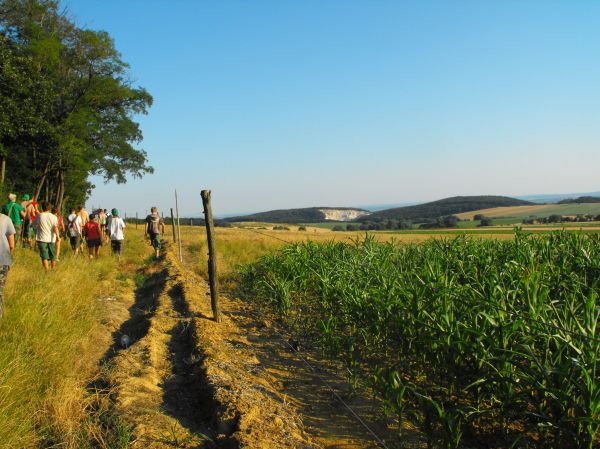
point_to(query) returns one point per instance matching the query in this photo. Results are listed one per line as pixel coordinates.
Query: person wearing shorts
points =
(74, 230)
(28, 233)
(155, 227)
(47, 234)
(116, 226)
(91, 230)
(7, 246)
(102, 220)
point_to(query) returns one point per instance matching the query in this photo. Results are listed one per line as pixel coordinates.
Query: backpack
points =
(153, 225)
(72, 231)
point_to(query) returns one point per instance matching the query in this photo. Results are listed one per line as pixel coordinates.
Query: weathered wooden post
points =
(173, 226)
(178, 225)
(212, 256)
(136, 220)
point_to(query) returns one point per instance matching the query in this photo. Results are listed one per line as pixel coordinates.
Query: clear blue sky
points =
(285, 104)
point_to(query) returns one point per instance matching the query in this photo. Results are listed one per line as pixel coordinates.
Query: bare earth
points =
(184, 381)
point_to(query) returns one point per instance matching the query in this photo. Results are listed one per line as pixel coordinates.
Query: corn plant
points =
(487, 343)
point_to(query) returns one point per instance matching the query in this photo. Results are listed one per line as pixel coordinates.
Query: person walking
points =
(15, 212)
(28, 230)
(155, 227)
(116, 231)
(74, 230)
(102, 218)
(47, 234)
(91, 231)
(61, 231)
(84, 219)
(7, 246)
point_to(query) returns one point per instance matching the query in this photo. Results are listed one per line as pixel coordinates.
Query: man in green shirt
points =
(15, 212)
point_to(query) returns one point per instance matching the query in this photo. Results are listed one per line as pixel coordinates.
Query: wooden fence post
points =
(178, 225)
(136, 220)
(173, 226)
(212, 256)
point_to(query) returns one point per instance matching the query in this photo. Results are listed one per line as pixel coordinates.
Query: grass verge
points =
(49, 347)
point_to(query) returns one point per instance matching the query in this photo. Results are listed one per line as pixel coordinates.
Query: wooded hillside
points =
(440, 208)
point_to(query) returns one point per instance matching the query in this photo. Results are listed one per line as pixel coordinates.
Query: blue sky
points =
(286, 104)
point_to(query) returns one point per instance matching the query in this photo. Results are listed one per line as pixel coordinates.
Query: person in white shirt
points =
(7, 246)
(74, 226)
(116, 226)
(46, 225)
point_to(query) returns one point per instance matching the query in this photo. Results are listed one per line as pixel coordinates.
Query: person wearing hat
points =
(15, 212)
(155, 227)
(116, 228)
(31, 210)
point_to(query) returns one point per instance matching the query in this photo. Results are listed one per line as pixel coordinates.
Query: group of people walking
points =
(42, 225)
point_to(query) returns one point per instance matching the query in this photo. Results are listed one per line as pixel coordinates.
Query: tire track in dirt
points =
(178, 384)
(152, 388)
(281, 373)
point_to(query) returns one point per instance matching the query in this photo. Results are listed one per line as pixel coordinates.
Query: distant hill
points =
(580, 200)
(304, 215)
(555, 197)
(447, 206)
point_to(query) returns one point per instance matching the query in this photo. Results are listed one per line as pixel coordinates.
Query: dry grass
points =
(49, 345)
(510, 211)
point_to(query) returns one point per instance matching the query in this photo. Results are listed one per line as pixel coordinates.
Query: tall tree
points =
(91, 104)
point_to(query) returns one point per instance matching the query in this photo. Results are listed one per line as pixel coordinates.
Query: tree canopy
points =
(67, 105)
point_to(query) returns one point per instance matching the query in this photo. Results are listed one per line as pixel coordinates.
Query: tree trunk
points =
(41, 182)
(47, 190)
(2, 169)
(61, 191)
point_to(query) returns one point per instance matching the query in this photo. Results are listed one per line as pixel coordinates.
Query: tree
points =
(85, 111)
(485, 221)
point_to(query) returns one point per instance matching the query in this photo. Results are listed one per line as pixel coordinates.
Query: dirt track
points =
(185, 381)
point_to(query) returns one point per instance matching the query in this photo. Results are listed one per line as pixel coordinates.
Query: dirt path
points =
(173, 378)
(278, 363)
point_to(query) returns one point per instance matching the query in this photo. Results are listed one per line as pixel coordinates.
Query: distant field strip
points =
(542, 210)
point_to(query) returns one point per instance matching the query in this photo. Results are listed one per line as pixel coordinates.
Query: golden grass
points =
(48, 345)
(509, 211)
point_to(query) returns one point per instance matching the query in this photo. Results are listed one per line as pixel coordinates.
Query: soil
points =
(178, 379)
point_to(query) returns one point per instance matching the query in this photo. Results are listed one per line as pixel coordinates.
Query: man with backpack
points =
(74, 227)
(155, 227)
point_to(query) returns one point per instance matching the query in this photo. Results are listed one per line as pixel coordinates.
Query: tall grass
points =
(48, 347)
(485, 343)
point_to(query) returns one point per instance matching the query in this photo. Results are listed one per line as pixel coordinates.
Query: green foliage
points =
(485, 221)
(484, 343)
(580, 200)
(66, 104)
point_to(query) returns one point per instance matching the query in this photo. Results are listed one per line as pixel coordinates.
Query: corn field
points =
(481, 343)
